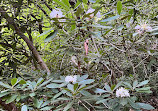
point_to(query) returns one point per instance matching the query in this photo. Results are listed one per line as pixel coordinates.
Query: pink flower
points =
(86, 46)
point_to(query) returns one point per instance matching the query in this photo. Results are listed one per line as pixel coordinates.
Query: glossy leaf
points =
(119, 7)
(14, 81)
(11, 99)
(145, 106)
(51, 36)
(111, 18)
(143, 83)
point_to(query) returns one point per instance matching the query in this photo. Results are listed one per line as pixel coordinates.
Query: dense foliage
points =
(78, 55)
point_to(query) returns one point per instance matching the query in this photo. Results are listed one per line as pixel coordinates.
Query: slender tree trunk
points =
(28, 42)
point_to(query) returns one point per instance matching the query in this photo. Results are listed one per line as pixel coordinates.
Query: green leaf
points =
(102, 101)
(44, 83)
(51, 36)
(14, 81)
(143, 83)
(134, 105)
(5, 85)
(70, 87)
(85, 93)
(111, 18)
(100, 26)
(47, 108)
(11, 99)
(61, 4)
(22, 82)
(32, 94)
(123, 101)
(39, 81)
(53, 85)
(44, 33)
(85, 1)
(88, 81)
(135, 83)
(66, 2)
(77, 4)
(82, 77)
(68, 106)
(24, 108)
(75, 86)
(4, 93)
(145, 106)
(98, 90)
(119, 7)
(107, 87)
(128, 85)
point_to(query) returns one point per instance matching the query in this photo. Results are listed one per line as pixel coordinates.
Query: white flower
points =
(71, 78)
(56, 13)
(143, 27)
(98, 15)
(122, 92)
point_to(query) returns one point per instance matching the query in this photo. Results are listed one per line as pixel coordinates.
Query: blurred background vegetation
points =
(32, 46)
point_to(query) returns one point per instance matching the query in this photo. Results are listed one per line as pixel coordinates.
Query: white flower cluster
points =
(71, 78)
(122, 92)
(57, 13)
(142, 28)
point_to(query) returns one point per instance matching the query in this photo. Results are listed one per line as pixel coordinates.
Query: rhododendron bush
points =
(78, 55)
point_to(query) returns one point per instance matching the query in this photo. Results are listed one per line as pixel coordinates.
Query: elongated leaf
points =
(47, 108)
(107, 87)
(11, 99)
(24, 108)
(66, 2)
(102, 101)
(70, 87)
(51, 36)
(45, 32)
(128, 85)
(145, 106)
(101, 26)
(44, 83)
(5, 85)
(85, 1)
(77, 4)
(111, 18)
(100, 90)
(4, 93)
(119, 7)
(134, 105)
(68, 106)
(82, 77)
(53, 85)
(135, 83)
(39, 81)
(61, 4)
(75, 86)
(143, 83)
(88, 81)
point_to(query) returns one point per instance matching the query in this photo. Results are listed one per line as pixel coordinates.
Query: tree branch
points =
(28, 42)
